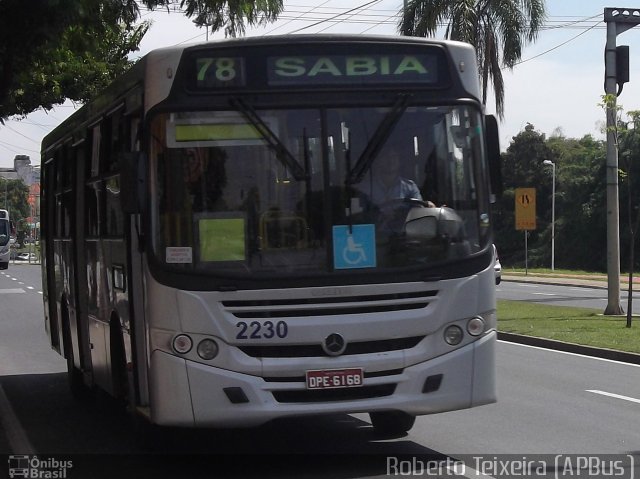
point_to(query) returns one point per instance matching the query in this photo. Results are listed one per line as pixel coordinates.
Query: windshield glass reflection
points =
(336, 189)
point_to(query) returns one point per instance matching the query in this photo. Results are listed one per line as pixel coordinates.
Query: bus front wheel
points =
(391, 423)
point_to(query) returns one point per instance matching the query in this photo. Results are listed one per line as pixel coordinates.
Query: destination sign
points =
(345, 69)
(212, 72)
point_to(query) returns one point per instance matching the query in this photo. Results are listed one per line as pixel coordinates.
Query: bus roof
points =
(462, 54)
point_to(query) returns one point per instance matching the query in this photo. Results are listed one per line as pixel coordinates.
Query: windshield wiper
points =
(282, 153)
(379, 138)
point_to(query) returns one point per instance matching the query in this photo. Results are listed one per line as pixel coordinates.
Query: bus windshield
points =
(311, 191)
(4, 232)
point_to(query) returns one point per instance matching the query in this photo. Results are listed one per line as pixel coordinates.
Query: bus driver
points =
(388, 183)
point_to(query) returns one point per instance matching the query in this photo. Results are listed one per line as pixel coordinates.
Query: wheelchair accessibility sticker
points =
(355, 249)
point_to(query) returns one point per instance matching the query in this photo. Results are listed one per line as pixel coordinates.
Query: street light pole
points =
(553, 212)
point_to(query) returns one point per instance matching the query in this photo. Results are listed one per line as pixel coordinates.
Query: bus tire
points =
(392, 423)
(79, 390)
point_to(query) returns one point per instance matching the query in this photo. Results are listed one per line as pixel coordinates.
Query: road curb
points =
(556, 281)
(611, 354)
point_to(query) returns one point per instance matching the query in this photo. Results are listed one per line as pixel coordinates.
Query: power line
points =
(335, 16)
(39, 125)
(344, 19)
(323, 13)
(7, 146)
(10, 147)
(293, 19)
(387, 20)
(18, 133)
(554, 48)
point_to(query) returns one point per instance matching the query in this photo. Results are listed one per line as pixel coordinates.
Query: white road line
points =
(595, 358)
(16, 290)
(612, 395)
(545, 294)
(18, 440)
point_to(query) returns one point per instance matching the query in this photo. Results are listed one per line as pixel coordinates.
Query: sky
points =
(557, 86)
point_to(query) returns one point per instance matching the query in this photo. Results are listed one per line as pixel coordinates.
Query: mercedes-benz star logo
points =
(334, 344)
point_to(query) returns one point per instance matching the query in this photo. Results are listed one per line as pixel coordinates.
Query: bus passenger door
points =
(78, 261)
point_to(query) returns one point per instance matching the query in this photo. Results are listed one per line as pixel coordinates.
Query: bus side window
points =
(113, 141)
(63, 160)
(91, 210)
(94, 158)
(116, 138)
(114, 218)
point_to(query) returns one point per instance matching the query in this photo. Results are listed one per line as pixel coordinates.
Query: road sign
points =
(525, 209)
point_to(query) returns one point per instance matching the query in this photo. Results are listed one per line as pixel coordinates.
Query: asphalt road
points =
(23, 342)
(562, 295)
(548, 403)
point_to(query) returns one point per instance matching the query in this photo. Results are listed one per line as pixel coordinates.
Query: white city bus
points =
(5, 237)
(216, 252)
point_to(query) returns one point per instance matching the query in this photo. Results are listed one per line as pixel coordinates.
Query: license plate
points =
(335, 378)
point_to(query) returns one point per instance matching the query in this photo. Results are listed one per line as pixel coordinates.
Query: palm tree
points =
(499, 29)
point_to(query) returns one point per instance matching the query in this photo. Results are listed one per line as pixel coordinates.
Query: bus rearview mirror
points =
(493, 154)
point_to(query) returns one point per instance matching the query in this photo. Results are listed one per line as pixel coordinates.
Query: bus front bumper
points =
(189, 394)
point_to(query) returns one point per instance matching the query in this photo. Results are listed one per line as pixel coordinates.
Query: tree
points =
(14, 196)
(499, 29)
(580, 225)
(580, 200)
(51, 51)
(231, 15)
(522, 167)
(629, 146)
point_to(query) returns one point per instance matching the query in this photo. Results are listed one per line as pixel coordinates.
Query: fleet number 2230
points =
(262, 330)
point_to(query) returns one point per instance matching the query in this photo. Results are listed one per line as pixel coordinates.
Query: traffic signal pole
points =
(618, 20)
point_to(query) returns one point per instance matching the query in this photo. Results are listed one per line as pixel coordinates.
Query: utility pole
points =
(618, 20)
(553, 212)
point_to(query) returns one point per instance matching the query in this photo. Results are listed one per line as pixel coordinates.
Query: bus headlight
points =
(182, 344)
(453, 335)
(475, 326)
(208, 349)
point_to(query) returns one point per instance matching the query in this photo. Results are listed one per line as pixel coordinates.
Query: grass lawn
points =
(573, 325)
